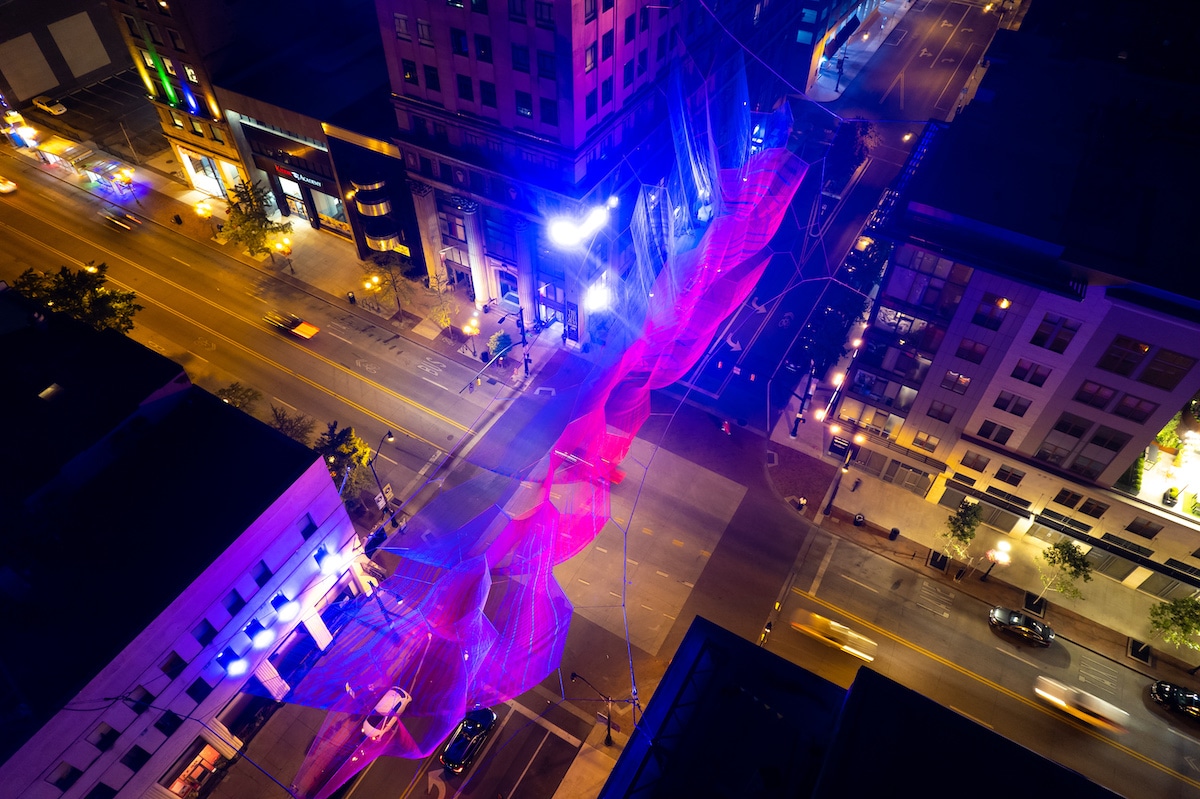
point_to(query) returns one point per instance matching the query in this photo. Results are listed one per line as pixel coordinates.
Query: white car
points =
(839, 636)
(7, 186)
(49, 105)
(1087, 708)
(386, 713)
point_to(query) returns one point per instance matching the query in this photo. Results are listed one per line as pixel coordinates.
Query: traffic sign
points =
(387, 492)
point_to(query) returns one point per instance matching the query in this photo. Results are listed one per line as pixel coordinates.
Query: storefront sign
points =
(296, 176)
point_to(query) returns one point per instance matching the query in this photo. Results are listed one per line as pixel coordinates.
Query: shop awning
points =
(69, 151)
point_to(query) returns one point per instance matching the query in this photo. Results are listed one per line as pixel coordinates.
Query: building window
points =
(642, 62)
(204, 632)
(516, 10)
(1109, 439)
(1007, 474)
(131, 24)
(606, 91)
(520, 58)
(135, 758)
(1093, 508)
(975, 462)
(155, 36)
(191, 73)
(607, 5)
(956, 382)
(465, 91)
(424, 32)
(452, 226)
(483, 48)
(996, 432)
(547, 65)
(589, 104)
(549, 111)
(176, 40)
(660, 51)
(991, 312)
(101, 791)
(307, 527)
(169, 65)
(627, 74)
(147, 59)
(1144, 527)
(971, 351)
(1033, 373)
(487, 94)
(606, 45)
(1072, 425)
(589, 10)
(479, 6)
(168, 722)
(926, 442)
(940, 411)
(262, 574)
(197, 128)
(173, 666)
(1011, 403)
(400, 23)
(1123, 356)
(432, 82)
(1094, 394)
(410, 71)
(1052, 453)
(64, 776)
(139, 700)
(233, 602)
(589, 58)
(630, 28)
(1135, 409)
(543, 14)
(199, 690)
(458, 41)
(1068, 498)
(176, 120)
(645, 19)
(103, 737)
(1166, 369)
(217, 135)
(524, 105)
(1055, 333)
(456, 3)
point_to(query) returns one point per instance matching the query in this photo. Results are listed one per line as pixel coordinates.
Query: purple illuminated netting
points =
(473, 613)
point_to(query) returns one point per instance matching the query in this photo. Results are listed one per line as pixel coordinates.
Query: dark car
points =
(292, 324)
(468, 739)
(1017, 623)
(1176, 698)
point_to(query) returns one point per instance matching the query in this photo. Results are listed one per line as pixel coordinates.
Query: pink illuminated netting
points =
(473, 614)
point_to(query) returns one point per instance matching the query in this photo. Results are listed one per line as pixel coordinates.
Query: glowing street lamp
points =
(204, 210)
(471, 330)
(381, 500)
(999, 555)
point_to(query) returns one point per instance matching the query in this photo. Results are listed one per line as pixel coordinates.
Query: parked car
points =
(7, 186)
(835, 634)
(387, 712)
(49, 105)
(1176, 698)
(1084, 706)
(1021, 625)
(292, 324)
(468, 739)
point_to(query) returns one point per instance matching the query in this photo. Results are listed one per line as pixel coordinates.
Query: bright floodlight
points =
(287, 609)
(259, 636)
(597, 298)
(328, 562)
(234, 664)
(566, 233)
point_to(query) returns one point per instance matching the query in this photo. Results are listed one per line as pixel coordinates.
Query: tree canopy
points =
(960, 529)
(345, 453)
(249, 224)
(1178, 621)
(1060, 565)
(83, 295)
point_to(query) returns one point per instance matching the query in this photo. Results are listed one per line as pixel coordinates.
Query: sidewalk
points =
(1103, 622)
(858, 50)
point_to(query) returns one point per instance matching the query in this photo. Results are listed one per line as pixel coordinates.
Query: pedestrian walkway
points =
(1104, 621)
(837, 72)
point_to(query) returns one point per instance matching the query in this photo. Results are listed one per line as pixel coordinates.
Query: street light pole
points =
(388, 437)
(608, 739)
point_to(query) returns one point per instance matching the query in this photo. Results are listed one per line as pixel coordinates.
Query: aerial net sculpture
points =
(473, 614)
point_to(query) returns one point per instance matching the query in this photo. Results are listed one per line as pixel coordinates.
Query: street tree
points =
(392, 269)
(241, 397)
(960, 529)
(499, 343)
(1178, 621)
(249, 221)
(346, 456)
(1060, 566)
(81, 294)
(295, 426)
(444, 306)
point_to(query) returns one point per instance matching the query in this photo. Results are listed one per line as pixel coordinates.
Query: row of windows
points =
(1164, 370)
(196, 127)
(152, 31)
(1005, 474)
(169, 65)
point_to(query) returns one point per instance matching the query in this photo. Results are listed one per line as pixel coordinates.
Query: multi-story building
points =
(163, 553)
(1033, 333)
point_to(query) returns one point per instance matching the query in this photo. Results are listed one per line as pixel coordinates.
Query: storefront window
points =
(193, 770)
(202, 172)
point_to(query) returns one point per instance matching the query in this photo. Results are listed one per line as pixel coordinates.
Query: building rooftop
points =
(134, 521)
(1079, 144)
(732, 719)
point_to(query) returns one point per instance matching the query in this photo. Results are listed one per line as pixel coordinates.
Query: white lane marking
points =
(185, 263)
(339, 338)
(439, 385)
(553, 729)
(812, 589)
(1018, 657)
(861, 585)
